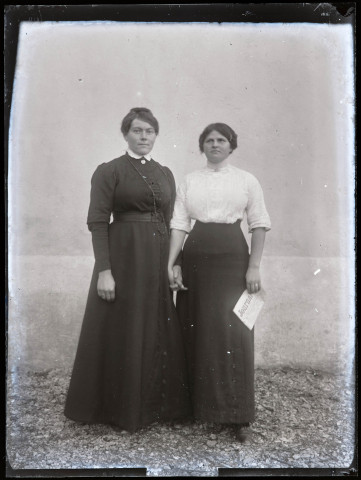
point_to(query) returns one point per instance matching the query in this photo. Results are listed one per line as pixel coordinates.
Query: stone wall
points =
(285, 89)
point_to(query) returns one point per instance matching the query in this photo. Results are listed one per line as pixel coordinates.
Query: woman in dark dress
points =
(129, 369)
(216, 269)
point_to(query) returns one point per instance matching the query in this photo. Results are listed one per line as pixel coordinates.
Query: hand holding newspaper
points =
(249, 306)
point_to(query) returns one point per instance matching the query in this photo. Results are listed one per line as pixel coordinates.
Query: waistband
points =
(138, 217)
(205, 225)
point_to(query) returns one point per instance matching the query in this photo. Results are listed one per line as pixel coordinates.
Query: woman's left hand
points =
(178, 277)
(253, 280)
(175, 278)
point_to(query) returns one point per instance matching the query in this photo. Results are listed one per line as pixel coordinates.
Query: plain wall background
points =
(287, 90)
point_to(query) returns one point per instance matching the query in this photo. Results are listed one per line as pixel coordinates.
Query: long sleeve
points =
(169, 210)
(103, 184)
(257, 215)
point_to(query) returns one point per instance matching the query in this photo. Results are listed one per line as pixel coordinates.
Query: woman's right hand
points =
(176, 278)
(106, 286)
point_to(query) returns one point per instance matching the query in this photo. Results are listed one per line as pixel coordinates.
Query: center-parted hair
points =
(221, 128)
(140, 113)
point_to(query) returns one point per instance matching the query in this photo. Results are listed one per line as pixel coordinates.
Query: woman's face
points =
(141, 137)
(216, 147)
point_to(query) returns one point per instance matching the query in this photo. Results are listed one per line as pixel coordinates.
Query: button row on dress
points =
(164, 381)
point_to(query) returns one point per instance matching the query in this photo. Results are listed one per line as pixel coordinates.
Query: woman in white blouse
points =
(216, 268)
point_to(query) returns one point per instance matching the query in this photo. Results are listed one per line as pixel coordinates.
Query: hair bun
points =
(143, 114)
(140, 109)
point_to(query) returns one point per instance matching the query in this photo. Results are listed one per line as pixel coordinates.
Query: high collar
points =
(224, 169)
(138, 157)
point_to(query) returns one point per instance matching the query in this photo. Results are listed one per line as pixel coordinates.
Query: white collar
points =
(224, 169)
(136, 156)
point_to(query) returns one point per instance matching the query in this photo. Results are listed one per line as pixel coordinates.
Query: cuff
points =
(266, 226)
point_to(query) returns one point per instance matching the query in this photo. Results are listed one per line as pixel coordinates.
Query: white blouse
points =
(220, 196)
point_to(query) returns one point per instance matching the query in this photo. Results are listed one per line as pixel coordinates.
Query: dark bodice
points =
(126, 185)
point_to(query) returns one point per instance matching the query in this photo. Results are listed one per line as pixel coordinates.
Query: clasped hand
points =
(176, 278)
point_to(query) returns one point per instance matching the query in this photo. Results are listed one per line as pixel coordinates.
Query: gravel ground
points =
(304, 419)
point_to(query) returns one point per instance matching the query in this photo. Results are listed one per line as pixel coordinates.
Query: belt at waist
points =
(138, 217)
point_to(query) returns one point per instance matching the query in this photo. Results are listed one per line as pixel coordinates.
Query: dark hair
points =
(143, 114)
(221, 128)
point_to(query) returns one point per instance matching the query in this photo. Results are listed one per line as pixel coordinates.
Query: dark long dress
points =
(129, 369)
(220, 349)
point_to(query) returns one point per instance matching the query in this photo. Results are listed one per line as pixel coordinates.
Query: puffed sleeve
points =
(103, 184)
(181, 219)
(257, 215)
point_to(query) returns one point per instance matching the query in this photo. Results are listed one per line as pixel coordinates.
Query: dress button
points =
(164, 381)
(163, 395)
(165, 354)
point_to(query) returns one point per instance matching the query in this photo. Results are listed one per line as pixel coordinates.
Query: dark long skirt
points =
(220, 349)
(130, 367)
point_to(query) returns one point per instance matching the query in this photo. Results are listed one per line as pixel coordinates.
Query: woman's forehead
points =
(137, 122)
(214, 134)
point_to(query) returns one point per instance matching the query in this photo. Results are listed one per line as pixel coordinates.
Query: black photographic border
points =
(316, 13)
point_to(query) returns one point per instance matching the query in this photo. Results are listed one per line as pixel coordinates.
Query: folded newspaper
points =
(248, 307)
